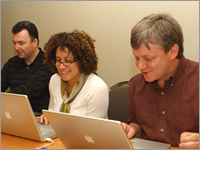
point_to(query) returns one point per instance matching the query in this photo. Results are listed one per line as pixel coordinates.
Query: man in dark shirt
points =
(26, 73)
(164, 97)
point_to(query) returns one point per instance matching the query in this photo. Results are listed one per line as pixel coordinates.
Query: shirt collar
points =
(178, 72)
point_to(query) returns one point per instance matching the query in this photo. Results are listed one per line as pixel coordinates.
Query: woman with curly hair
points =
(75, 87)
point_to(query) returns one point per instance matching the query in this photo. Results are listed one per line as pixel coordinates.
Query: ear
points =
(173, 51)
(35, 41)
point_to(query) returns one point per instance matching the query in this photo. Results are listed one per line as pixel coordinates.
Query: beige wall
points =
(109, 22)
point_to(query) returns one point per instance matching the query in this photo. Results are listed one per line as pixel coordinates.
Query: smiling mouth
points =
(145, 72)
(64, 72)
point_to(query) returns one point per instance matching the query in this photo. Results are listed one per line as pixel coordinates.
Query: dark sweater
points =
(31, 80)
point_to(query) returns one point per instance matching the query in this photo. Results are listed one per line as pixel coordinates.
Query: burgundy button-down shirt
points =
(164, 113)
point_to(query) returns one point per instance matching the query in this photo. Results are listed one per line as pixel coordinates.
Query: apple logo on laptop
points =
(8, 115)
(89, 139)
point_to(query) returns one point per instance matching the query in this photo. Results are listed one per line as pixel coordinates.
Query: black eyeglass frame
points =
(67, 63)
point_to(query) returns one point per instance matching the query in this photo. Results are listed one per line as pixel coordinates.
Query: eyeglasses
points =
(65, 63)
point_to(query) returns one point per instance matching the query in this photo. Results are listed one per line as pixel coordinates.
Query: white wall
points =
(109, 22)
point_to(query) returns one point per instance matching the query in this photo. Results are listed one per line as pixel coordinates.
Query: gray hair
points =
(161, 29)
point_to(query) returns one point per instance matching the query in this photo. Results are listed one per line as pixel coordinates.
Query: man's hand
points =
(189, 140)
(42, 119)
(132, 130)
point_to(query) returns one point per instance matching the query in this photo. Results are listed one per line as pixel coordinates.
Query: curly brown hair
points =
(79, 43)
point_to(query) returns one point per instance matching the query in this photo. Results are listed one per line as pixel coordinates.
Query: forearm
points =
(34, 84)
(4, 86)
(30, 89)
(4, 80)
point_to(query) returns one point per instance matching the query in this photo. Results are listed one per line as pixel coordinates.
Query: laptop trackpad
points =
(147, 144)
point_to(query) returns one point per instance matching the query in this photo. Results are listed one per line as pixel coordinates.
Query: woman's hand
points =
(42, 119)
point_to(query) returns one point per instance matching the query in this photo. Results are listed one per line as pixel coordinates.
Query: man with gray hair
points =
(164, 97)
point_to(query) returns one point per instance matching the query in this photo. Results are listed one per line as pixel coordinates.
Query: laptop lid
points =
(82, 132)
(17, 118)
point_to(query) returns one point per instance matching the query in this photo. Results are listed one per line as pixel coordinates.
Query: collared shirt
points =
(31, 80)
(164, 113)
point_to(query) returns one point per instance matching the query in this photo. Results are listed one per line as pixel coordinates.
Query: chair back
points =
(118, 104)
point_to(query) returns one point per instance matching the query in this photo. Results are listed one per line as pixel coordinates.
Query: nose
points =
(61, 66)
(16, 46)
(141, 64)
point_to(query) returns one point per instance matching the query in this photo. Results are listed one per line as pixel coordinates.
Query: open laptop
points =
(17, 118)
(82, 132)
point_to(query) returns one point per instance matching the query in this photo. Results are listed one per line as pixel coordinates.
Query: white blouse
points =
(92, 100)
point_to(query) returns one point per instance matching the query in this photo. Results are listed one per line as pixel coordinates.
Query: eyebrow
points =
(65, 57)
(144, 56)
(18, 41)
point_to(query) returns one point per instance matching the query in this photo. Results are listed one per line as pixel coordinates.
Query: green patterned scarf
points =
(65, 107)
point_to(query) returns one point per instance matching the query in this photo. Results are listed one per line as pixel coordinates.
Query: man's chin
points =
(147, 79)
(21, 56)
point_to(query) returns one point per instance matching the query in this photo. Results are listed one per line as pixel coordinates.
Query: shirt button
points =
(163, 112)
(162, 93)
(171, 84)
(161, 130)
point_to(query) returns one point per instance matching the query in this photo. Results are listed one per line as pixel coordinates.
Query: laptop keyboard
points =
(46, 130)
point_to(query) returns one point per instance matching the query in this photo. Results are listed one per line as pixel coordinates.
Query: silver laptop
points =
(82, 132)
(17, 118)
